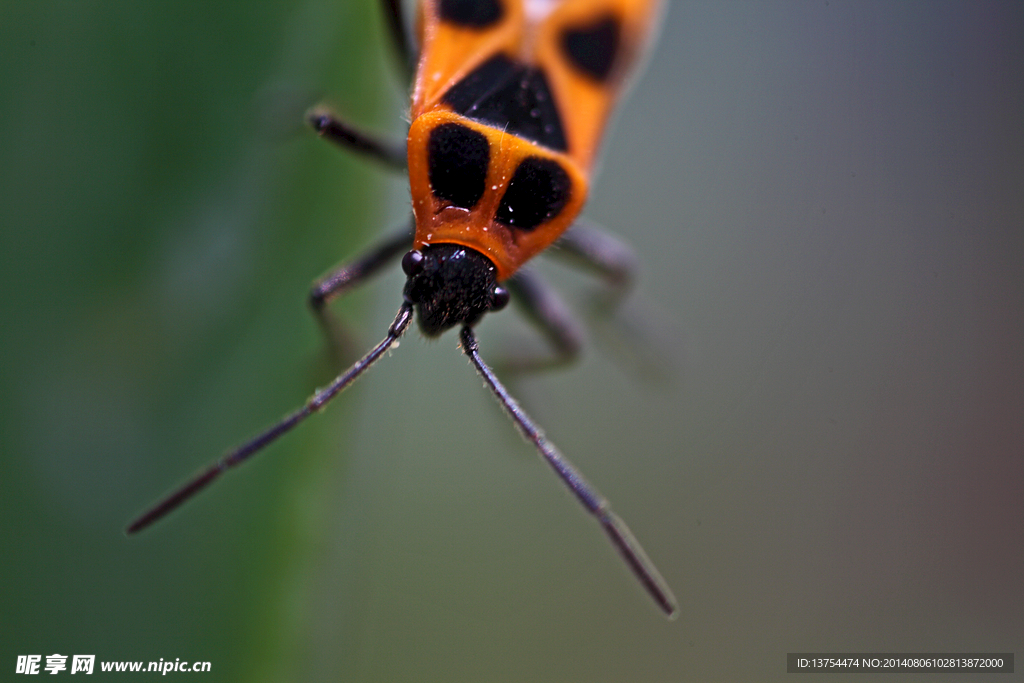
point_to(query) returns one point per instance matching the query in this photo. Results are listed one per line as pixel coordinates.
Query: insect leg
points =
(621, 537)
(541, 304)
(629, 333)
(585, 244)
(329, 126)
(347, 276)
(597, 251)
(354, 273)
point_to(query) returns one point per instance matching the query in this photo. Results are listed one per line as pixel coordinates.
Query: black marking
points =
(592, 48)
(477, 14)
(457, 158)
(511, 96)
(536, 194)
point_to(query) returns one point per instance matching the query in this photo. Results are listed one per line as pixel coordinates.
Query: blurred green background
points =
(828, 202)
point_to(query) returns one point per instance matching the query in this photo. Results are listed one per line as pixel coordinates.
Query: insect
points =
(509, 101)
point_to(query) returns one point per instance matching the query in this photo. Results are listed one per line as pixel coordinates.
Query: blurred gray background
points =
(828, 202)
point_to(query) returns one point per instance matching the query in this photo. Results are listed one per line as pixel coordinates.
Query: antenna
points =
(314, 404)
(621, 537)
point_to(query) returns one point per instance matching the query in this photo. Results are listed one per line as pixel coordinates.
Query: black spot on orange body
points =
(592, 48)
(508, 107)
(458, 158)
(475, 14)
(538, 191)
(510, 96)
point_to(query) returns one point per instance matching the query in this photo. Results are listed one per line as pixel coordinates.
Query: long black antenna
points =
(314, 404)
(622, 538)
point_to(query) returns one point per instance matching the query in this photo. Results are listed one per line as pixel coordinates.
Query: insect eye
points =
(537, 192)
(499, 298)
(457, 158)
(412, 262)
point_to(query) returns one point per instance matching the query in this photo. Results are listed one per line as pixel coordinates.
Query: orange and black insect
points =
(509, 101)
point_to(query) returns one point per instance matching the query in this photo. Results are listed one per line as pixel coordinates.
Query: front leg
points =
(631, 333)
(354, 273)
(598, 252)
(603, 254)
(543, 307)
(350, 275)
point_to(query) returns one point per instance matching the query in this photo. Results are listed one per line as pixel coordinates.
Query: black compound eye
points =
(499, 298)
(592, 48)
(457, 158)
(536, 194)
(471, 13)
(412, 262)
